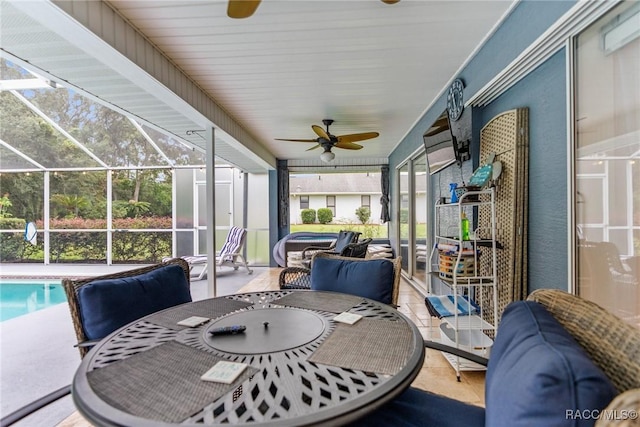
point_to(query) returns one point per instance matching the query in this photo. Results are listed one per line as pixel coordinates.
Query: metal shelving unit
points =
(469, 268)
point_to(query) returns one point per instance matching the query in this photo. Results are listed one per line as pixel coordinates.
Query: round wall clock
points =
(455, 102)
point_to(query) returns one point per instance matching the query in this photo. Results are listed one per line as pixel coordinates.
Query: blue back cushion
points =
(370, 279)
(537, 372)
(106, 305)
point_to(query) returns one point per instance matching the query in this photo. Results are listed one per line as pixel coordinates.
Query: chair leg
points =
(203, 272)
(244, 263)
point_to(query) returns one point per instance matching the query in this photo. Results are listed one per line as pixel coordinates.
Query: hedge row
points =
(91, 246)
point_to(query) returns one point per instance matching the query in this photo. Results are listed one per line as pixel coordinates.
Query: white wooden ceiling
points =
(365, 64)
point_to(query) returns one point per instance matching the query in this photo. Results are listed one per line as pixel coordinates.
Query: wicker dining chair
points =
(163, 288)
(300, 277)
(295, 278)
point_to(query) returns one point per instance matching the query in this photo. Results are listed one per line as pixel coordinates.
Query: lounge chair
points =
(229, 256)
(344, 239)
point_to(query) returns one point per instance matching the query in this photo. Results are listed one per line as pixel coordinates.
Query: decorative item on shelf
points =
(488, 173)
(482, 175)
(463, 267)
(497, 171)
(454, 195)
(464, 226)
(460, 191)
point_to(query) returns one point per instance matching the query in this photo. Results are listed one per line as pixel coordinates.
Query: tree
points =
(71, 204)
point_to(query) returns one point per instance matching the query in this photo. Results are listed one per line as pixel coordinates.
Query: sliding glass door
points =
(607, 162)
(412, 225)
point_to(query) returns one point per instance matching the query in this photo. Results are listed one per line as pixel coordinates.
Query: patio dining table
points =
(303, 366)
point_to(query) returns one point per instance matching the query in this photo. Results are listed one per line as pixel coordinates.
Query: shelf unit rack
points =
(468, 273)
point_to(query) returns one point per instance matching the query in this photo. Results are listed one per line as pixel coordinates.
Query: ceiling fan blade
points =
(348, 145)
(239, 9)
(312, 148)
(297, 140)
(320, 132)
(358, 136)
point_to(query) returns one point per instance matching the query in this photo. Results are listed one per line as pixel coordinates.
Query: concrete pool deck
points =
(36, 350)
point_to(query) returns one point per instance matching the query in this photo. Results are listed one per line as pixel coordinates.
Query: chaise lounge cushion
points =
(538, 375)
(106, 305)
(369, 279)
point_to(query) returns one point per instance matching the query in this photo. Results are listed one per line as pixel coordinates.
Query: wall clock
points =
(455, 102)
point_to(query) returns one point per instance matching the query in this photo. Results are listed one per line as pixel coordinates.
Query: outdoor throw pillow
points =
(538, 375)
(369, 279)
(106, 305)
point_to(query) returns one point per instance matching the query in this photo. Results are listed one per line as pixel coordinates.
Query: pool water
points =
(19, 298)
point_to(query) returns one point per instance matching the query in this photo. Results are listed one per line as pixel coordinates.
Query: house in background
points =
(343, 193)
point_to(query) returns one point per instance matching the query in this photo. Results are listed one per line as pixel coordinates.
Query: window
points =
(403, 223)
(607, 171)
(304, 202)
(419, 220)
(331, 204)
(343, 194)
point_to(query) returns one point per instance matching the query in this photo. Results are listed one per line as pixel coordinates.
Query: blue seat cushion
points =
(537, 372)
(417, 408)
(106, 305)
(370, 279)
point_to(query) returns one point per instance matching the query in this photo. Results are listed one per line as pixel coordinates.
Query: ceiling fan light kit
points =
(327, 156)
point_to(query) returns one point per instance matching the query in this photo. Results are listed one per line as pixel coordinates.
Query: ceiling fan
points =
(327, 141)
(239, 9)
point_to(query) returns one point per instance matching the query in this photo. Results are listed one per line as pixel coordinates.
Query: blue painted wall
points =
(544, 92)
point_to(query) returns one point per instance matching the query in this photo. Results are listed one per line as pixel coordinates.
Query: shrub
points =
(308, 216)
(364, 214)
(325, 216)
(12, 223)
(90, 246)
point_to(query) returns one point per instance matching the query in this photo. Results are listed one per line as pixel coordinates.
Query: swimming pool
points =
(23, 297)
